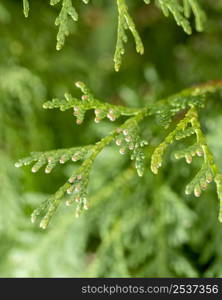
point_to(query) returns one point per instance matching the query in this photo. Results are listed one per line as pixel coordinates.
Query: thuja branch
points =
(26, 8)
(210, 168)
(128, 138)
(77, 184)
(125, 22)
(181, 14)
(200, 16)
(89, 102)
(52, 158)
(188, 126)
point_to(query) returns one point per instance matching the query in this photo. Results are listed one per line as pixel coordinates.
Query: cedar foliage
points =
(136, 225)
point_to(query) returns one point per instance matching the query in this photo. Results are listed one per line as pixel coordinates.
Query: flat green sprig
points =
(128, 138)
(181, 13)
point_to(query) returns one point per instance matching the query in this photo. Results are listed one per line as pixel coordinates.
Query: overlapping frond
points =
(190, 125)
(127, 136)
(181, 12)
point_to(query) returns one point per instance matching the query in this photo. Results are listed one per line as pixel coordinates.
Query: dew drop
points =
(74, 158)
(97, 120)
(18, 164)
(72, 179)
(197, 191)
(33, 218)
(85, 97)
(154, 169)
(119, 130)
(34, 170)
(77, 199)
(203, 185)
(187, 191)
(69, 190)
(131, 147)
(68, 203)
(97, 111)
(43, 224)
(209, 178)
(77, 188)
(79, 177)
(111, 117)
(122, 151)
(125, 131)
(177, 156)
(188, 159)
(49, 159)
(118, 142)
(199, 152)
(48, 170)
(62, 159)
(128, 139)
(79, 84)
(79, 121)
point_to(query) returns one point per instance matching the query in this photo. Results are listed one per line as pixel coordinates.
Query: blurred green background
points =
(136, 227)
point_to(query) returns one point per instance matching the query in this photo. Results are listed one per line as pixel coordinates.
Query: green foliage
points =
(62, 21)
(171, 6)
(26, 8)
(125, 22)
(127, 136)
(136, 226)
(200, 17)
(208, 171)
(180, 13)
(89, 102)
(78, 181)
(51, 158)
